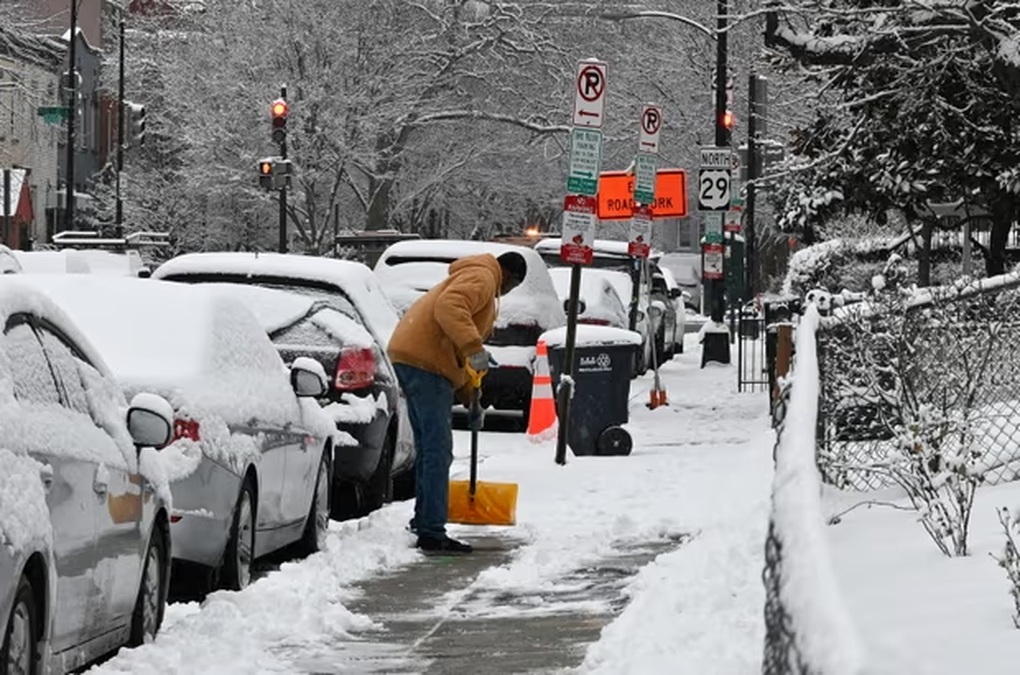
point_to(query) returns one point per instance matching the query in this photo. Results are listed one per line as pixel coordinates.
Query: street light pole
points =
(120, 137)
(72, 107)
(718, 286)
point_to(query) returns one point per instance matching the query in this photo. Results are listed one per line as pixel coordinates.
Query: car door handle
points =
(46, 476)
(100, 484)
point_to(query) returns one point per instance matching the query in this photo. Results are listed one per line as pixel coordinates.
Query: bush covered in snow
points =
(907, 390)
(1010, 560)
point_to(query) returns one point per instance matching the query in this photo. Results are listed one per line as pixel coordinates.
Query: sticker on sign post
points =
(578, 229)
(640, 243)
(590, 96)
(713, 256)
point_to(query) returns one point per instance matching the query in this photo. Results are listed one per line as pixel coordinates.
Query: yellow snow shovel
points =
(473, 502)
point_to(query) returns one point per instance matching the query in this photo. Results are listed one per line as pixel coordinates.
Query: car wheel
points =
(240, 549)
(151, 602)
(21, 641)
(379, 489)
(317, 525)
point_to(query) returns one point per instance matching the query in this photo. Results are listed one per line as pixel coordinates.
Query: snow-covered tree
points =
(917, 104)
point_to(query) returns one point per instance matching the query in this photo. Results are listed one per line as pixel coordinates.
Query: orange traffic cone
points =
(542, 417)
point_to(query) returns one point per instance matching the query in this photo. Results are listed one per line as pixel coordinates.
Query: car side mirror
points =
(675, 293)
(150, 421)
(308, 378)
(580, 306)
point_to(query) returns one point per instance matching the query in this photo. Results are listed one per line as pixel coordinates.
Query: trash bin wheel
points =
(614, 441)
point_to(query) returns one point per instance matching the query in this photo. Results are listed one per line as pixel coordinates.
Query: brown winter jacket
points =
(450, 322)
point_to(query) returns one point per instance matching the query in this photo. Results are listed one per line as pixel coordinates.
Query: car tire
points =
(151, 602)
(20, 650)
(240, 551)
(314, 537)
(379, 489)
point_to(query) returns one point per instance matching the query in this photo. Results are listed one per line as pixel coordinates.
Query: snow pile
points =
(296, 608)
(24, 517)
(824, 631)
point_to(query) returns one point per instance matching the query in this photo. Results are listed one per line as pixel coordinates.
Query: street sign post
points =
(578, 233)
(589, 99)
(579, 209)
(731, 221)
(640, 241)
(713, 227)
(585, 160)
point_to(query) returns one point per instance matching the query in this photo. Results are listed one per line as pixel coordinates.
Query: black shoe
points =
(443, 545)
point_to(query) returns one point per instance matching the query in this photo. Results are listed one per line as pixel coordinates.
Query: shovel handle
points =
(476, 409)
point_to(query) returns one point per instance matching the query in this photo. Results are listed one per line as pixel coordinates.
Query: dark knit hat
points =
(514, 265)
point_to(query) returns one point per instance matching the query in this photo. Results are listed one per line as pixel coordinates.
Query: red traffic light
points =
(266, 168)
(728, 119)
(278, 109)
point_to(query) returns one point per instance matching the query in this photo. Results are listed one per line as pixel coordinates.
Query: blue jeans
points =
(430, 407)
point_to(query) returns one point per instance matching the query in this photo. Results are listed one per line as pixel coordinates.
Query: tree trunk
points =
(1002, 223)
(924, 255)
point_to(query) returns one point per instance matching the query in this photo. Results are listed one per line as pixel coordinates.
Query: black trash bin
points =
(603, 364)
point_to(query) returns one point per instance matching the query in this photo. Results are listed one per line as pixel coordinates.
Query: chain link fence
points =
(949, 361)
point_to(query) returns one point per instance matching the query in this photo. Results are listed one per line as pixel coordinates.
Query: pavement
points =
(428, 621)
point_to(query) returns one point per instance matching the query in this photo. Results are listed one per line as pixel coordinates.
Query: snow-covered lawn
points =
(701, 466)
(913, 606)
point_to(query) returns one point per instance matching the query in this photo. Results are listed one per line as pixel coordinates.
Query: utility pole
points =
(750, 251)
(7, 231)
(120, 137)
(722, 135)
(283, 190)
(72, 107)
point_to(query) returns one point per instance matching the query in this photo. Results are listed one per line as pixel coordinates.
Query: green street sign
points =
(53, 114)
(585, 160)
(645, 166)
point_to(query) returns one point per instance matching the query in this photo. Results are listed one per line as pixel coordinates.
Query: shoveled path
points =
(424, 628)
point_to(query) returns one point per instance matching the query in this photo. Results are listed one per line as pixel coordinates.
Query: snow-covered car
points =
(84, 503)
(644, 315)
(612, 255)
(408, 269)
(8, 261)
(600, 304)
(250, 463)
(301, 326)
(128, 263)
(364, 379)
(685, 266)
(664, 284)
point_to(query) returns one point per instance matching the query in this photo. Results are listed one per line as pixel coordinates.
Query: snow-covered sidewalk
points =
(701, 466)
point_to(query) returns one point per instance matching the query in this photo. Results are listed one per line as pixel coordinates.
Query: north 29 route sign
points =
(714, 179)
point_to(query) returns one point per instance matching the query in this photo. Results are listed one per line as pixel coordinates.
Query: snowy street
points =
(648, 563)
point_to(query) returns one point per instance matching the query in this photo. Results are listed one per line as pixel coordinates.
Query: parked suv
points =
(408, 269)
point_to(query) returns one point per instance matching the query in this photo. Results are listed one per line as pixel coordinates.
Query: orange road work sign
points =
(616, 195)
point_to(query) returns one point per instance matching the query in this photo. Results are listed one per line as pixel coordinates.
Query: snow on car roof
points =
(73, 261)
(408, 269)
(604, 246)
(277, 309)
(354, 278)
(199, 347)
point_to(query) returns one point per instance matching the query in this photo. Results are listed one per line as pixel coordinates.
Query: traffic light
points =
(275, 173)
(727, 120)
(278, 111)
(266, 173)
(136, 115)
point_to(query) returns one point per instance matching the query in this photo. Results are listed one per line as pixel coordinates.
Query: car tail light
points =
(355, 369)
(593, 322)
(184, 428)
